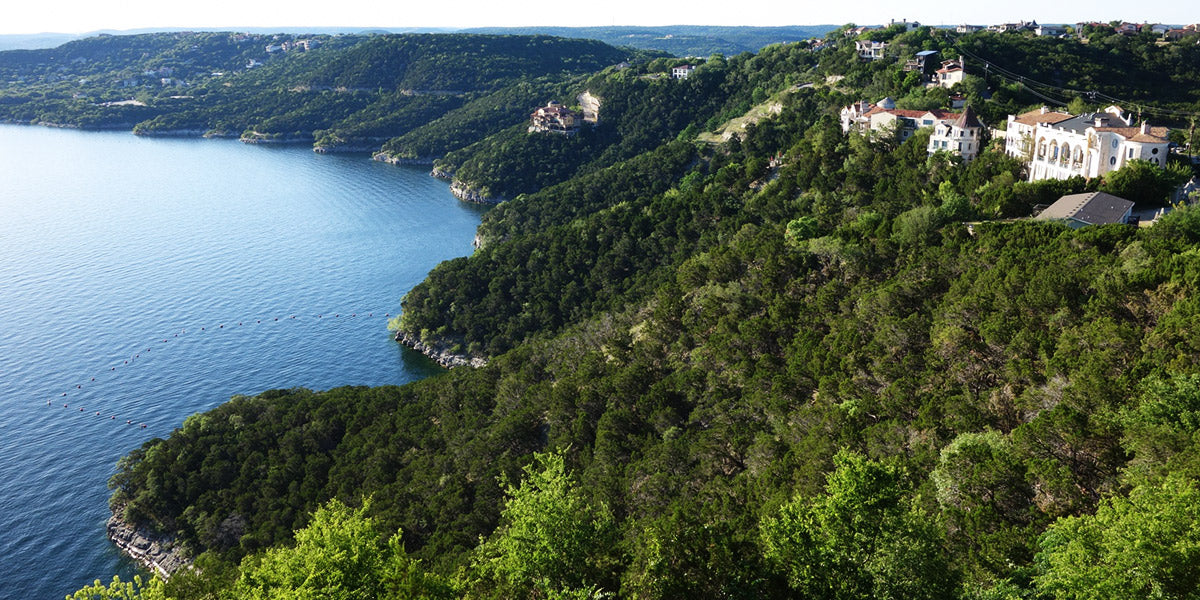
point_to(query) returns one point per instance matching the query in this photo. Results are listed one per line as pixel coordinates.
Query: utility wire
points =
(1043, 90)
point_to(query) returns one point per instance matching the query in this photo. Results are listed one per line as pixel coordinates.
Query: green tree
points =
(1143, 182)
(985, 500)
(339, 555)
(551, 543)
(122, 590)
(1143, 546)
(861, 539)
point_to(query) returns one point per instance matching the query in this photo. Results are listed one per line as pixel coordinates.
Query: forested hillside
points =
(340, 91)
(777, 366)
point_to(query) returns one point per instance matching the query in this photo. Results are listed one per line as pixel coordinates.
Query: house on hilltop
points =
(1060, 146)
(923, 63)
(961, 135)
(958, 133)
(682, 71)
(951, 72)
(870, 49)
(555, 118)
(1080, 210)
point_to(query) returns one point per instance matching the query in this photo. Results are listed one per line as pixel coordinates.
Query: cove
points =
(148, 279)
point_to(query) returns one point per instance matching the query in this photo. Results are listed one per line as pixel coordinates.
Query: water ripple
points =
(111, 244)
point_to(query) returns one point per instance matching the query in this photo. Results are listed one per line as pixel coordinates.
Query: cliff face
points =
(439, 353)
(393, 160)
(158, 553)
(466, 193)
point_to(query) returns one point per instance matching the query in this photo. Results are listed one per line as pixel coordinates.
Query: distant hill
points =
(680, 40)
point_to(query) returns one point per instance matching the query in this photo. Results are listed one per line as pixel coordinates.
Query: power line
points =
(1042, 90)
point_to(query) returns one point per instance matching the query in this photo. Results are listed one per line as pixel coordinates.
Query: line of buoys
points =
(126, 362)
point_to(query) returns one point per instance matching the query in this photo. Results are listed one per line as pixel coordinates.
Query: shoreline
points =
(158, 553)
(439, 353)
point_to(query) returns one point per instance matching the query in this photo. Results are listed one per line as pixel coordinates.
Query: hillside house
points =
(908, 26)
(1050, 30)
(1014, 27)
(555, 118)
(1128, 28)
(682, 72)
(1081, 210)
(923, 63)
(959, 133)
(964, 28)
(951, 72)
(1059, 145)
(870, 49)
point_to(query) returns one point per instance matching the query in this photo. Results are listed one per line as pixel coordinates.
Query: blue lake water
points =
(149, 279)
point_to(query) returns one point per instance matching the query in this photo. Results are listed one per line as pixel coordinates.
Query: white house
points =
(870, 49)
(913, 26)
(1050, 30)
(952, 72)
(1059, 146)
(964, 28)
(682, 72)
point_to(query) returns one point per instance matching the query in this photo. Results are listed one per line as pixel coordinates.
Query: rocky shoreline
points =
(439, 352)
(393, 160)
(156, 552)
(466, 193)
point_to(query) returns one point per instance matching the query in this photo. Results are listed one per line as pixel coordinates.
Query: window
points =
(1154, 151)
(1112, 161)
(1116, 143)
(1130, 155)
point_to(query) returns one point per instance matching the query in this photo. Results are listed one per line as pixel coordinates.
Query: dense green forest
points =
(777, 366)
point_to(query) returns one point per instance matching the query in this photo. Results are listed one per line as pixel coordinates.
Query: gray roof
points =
(927, 53)
(1079, 124)
(1092, 209)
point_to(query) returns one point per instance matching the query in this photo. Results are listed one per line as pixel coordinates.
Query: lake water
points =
(149, 279)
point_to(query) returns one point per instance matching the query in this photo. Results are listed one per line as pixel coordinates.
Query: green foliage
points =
(348, 92)
(858, 540)
(1144, 183)
(1143, 546)
(551, 542)
(339, 555)
(122, 590)
(773, 367)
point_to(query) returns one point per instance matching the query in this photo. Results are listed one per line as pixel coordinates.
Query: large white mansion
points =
(1058, 145)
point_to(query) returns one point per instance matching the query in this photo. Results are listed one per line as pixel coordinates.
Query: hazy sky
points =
(78, 16)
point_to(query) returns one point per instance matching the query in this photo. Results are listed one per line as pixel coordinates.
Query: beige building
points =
(961, 135)
(1059, 145)
(958, 133)
(555, 118)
